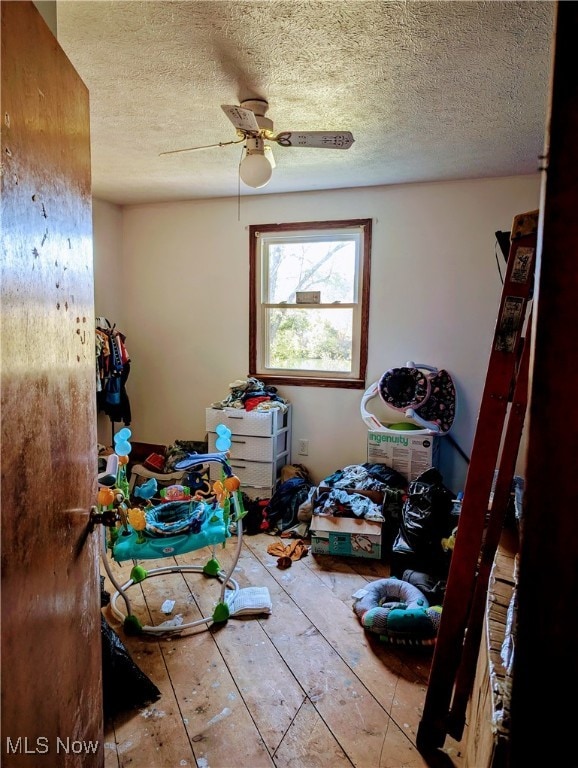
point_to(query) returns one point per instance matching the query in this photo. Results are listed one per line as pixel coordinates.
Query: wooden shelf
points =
(489, 708)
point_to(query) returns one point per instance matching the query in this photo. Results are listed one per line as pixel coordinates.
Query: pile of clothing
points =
(280, 513)
(361, 490)
(339, 503)
(365, 477)
(252, 395)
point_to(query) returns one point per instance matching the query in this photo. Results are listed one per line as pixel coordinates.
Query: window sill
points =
(310, 381)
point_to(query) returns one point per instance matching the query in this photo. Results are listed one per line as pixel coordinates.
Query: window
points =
(309, 308)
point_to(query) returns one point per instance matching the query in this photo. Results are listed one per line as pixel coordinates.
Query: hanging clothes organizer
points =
(112, 371)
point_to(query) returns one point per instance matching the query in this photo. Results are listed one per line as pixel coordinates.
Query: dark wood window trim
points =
(311, 381)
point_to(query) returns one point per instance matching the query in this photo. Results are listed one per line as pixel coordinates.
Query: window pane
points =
(312, 264)
(310, 339)
(324, 342)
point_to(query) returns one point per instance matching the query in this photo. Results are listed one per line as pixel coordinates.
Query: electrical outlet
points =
(303, 447)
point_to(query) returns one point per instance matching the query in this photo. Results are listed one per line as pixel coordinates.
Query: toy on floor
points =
(147, 490)
(398, 612)
(176, 493)
(179, 524)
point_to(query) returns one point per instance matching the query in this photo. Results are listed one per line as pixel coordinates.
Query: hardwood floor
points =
(303, 687)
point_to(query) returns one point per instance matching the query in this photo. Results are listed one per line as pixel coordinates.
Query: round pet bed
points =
(398, 612)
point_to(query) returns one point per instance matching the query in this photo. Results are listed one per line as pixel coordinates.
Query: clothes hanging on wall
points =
(112, 371)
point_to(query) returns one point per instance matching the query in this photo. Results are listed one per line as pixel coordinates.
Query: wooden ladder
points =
(492, 467)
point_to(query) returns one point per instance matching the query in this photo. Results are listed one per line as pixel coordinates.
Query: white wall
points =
(435, 292)
(108, 287)
(48, 11)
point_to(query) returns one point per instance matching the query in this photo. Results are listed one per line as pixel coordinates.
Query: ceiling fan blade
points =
(243, 119)
(317, 139)
(206, 146)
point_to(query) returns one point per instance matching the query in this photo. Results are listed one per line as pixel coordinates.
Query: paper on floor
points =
(251, 600)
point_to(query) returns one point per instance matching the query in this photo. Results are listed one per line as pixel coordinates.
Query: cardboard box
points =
(409, 455)
(346, 536)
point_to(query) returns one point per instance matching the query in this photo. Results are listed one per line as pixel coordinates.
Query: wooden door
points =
(51, 638)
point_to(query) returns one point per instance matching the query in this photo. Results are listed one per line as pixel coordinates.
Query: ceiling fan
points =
(255, 129)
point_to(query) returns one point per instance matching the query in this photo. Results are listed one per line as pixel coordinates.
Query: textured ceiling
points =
(430, 90)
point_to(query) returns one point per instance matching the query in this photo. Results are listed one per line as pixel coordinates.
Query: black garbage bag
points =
(392, 509)
(433, 590)
(425, 520)
(124, 685)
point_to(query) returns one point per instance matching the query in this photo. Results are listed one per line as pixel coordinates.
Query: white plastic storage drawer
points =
(253, 448)
(241, 422)
(255, 473)
(258, 493)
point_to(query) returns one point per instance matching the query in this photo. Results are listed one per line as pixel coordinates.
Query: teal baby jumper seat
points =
(175, 528)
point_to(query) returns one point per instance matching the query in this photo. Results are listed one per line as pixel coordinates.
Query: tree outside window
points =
(310, 302)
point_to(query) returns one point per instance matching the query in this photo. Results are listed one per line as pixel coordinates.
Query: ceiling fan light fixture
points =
(255, 169)
(253, 128)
